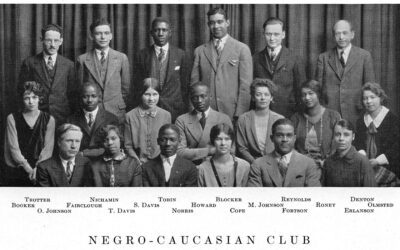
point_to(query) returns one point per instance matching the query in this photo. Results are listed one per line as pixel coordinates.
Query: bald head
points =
(343, 33)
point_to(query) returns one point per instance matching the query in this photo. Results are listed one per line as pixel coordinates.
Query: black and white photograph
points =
(199, 126)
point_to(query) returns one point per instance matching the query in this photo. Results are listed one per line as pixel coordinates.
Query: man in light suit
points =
(55, 74)
(225, 65)
(66, 169)
(91, 118)
(195, 126)
(169, 65)
(168, 169)
(342, 71)
(106, 67)
(284, 167)
(282, 66)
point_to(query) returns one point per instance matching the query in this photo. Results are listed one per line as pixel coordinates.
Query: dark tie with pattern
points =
(50, 65)
(161, 55)
(69, 171)
(218, 47)
(203, 120)
(272, 55)
(282, 167)
(103, 58)
(91, 120)
(342, 59)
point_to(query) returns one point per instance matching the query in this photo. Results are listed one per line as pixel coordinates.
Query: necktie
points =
(272, 55)
(50, 65)
(203, 120)
(90, 123)
(342, 61)
(372, 150)
(103, 58)
(161, 55)
(282, 167)
(69, 170)
(218, 46)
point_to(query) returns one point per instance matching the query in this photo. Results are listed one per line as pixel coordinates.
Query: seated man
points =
(284, 167)
(168, 169)
(65, 169)
(91, 118)
(195, 126)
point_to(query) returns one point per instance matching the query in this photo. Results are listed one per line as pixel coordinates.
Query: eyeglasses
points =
(49, 41)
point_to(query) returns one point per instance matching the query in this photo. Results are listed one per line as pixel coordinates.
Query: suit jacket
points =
(116, 87)
(288, 76)
(230, 80)
(174, 94)
(183, 173)
(51, 173)
(246, 136)
(92, 144)
(59, 93)
(302, 172)
(194, 139)
(343, 92)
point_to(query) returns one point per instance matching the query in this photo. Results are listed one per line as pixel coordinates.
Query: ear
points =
(228, 22)
(283, 34)
(354, 136)
(111, 36)
(61, 41)
(91, 36)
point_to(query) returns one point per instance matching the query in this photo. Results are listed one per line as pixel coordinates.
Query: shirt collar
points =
(94, 112)
(120, 157)
(65, 162)
(171, 159)
(151, 113)
(345, 50)
(349, 156)
(378, 119)
(165, 48)
(223, 40)
(46, 57)
(98, 52)
(285, 157)
(198, 113)
(276, 50)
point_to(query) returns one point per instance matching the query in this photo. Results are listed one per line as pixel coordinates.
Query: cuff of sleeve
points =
(382, 160)
(362, 151)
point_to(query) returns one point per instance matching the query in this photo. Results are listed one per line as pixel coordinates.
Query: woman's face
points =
(343, 138)
(309, 98)
(31, 101)
(371, 101)
(112, 143)
(150, 98)
(262, 97)
(223, 144)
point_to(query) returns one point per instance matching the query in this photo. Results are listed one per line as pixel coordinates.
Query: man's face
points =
(69, 144)
(90, 98)
(161, 33)
(218, 25)
(274, 35)
(102, 36)
(200, 98)
(343, 34)
(168, 141)
(284, 139)
(51, 42)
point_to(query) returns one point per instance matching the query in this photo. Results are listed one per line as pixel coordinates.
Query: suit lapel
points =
(351, 60)
(292, 170)
(172, 63)
(97, 122)
(194, 127)
(82, 122)
(60, 172)
(332, 63)
(40, 67)
(60, 70)
(263, 61)
(228, 47)
(273, 171)
(282, 58)
(159, 168)
(253, 129)
(91, 66)
(112, 64)
(77, 173)
(175, 172)
(208, 53)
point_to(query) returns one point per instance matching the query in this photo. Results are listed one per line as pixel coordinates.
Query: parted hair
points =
(345, 124)
(105, 130)
(263, 82)
(150, 83)
(274, 20)
(64, 128)
(98, 22)
(53, 27)
(375, 88)
(282, 121)
(217, 10)
(222, 128)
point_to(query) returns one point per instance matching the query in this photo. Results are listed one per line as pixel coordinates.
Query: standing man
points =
(282, 66)
(66, 169)
(168, 169)
(106, 67)
(195, 126)
(284, 167)
(224, 64)
(54, 73)
(342, 71)
(169, 65)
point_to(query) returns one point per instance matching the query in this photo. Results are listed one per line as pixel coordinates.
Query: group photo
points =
(199, 95)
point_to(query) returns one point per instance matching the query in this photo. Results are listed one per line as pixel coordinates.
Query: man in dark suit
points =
(106, 67)
(169, 65)
(342, 71)
(91, 118)
(282, 66)
(66, 169)
(195, 126)
(168, 169)
(284, 167)
(53, 72)
(225, 66)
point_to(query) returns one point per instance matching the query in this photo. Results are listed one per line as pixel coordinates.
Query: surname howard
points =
(199, 240)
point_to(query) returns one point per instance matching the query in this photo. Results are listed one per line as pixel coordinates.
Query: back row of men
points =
(224, 64)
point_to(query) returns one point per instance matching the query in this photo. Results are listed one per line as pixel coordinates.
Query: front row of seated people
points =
(314, 147)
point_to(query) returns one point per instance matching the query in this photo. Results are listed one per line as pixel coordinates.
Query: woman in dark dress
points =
(115, 168)
(378, 135)
(29, 138)
(314, 124)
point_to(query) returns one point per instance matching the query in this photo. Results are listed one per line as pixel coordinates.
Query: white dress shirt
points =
(346, 52)
(168, 162)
